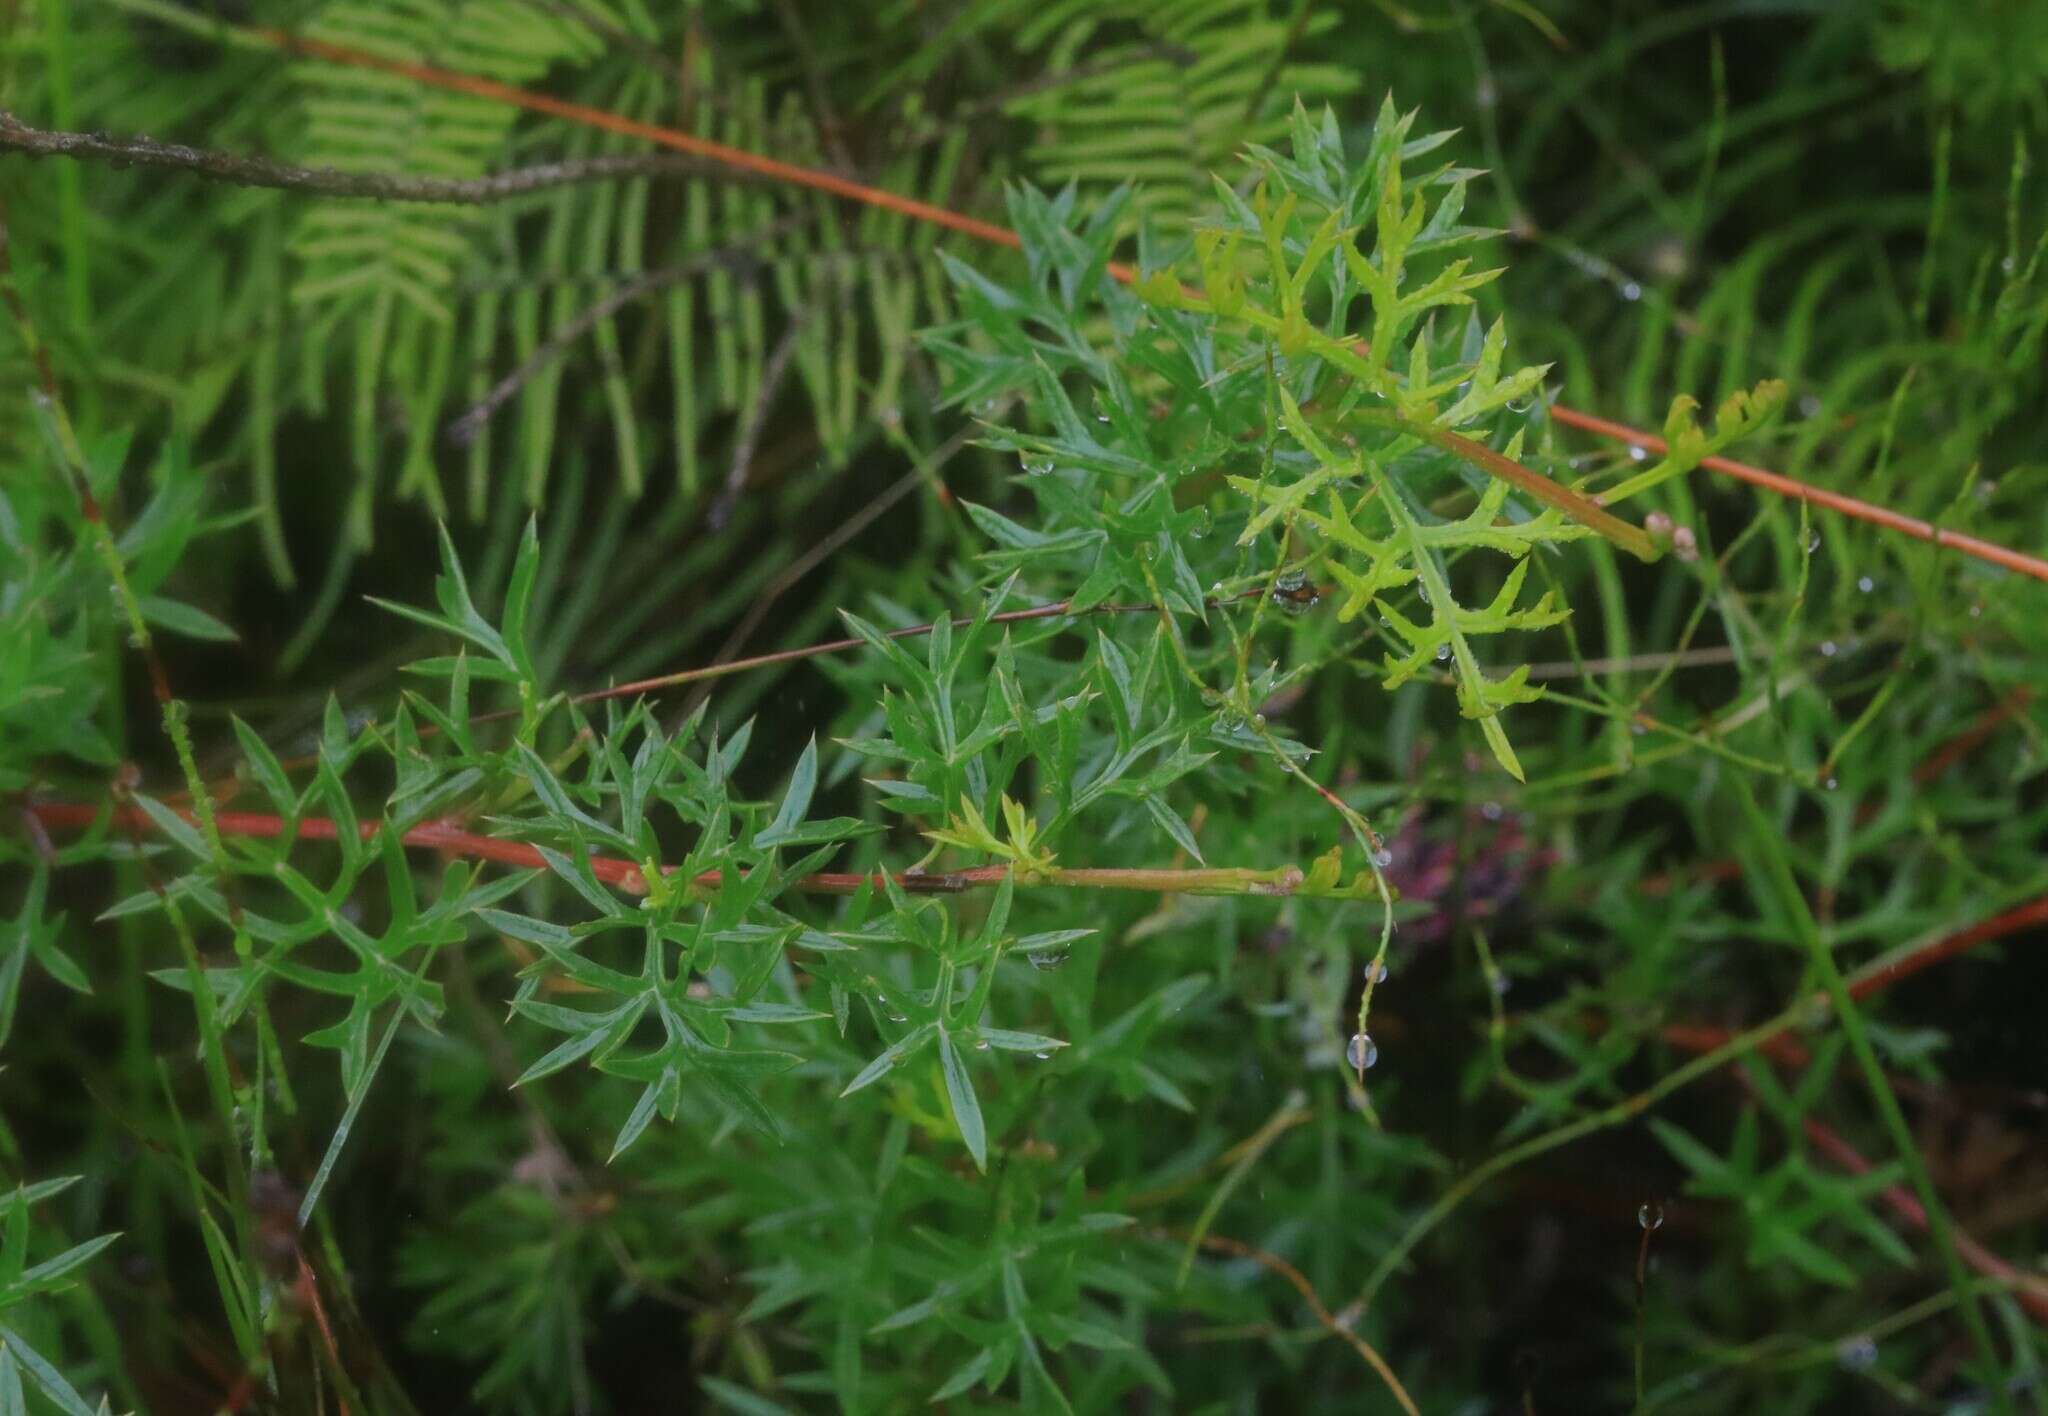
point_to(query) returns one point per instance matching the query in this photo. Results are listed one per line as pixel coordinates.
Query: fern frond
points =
(1180, 101)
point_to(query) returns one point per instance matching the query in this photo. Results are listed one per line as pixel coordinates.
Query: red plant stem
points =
(1834, 501)
(737, 158)
(741, 160)
(1696, 1038)
(2031, 1291)
(2031, 915)
(1967, 741)
(627, 875)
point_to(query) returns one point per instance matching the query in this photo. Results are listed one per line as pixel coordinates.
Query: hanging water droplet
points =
(1036, 468)
(1866, 584)
(982, 1046)
(1857, 1354)
(1422, 593)
(1375, 972)
(1362, 1052)
(1809, 405)
(1812, 542)
(2008, 265)
(1443, 652)
(1831, 784)
(1492, 811)
(1520, 405)
(1383, 858)
(1828, 649)
(1650, 1215)
(1501, 984)
(1631, 291)
(1637, 452)
(1041, 1056)
(1048, 960)
(896, 1017)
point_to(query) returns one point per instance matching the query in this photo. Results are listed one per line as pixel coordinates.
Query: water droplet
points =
(1048, 960)
(1987, 489)
(1036, 468)
(1375, 972)
(1976, 611)
(1650, 1216)
(1293, 593)
(1809, 405)
(1830, 784)
(1383, 858)
(1422, 593)
(1492, 811)
(1041, 1056)
(1520, 405)
(1866, 584)
(1828, 649)
(1812, 542)
(982, 1046)
(1362, 1052)
(2008, 265)
(1857, 1354)
(1631, 291)
(896, 1017)
(1443, 652)
(1501, 984)
(1638, 453)
(1485, 95)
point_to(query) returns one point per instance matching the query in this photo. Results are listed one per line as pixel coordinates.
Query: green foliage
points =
(1245, 705)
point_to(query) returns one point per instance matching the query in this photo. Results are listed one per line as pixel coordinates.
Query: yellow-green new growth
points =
(1687, 444)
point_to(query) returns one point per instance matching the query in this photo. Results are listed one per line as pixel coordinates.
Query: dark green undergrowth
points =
(1295, 878)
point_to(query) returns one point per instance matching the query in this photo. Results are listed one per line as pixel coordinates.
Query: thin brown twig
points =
(772, 375)
(243, 171)
(817, 555)
(463, 430)
(1274, 1264)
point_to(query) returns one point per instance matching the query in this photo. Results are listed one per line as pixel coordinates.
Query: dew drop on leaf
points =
(1650, 1215)
(1049, 960)
(1638, 453)
(1443, 652)
(1857, 1354)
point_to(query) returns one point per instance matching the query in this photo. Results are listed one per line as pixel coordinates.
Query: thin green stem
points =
(1793, 903)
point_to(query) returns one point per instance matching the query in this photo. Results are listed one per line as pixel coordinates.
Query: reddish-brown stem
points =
(1967, 741)
(741, 160)
(626, 875)
(1802, 491)
(2031, 1291)
(1888, 971)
